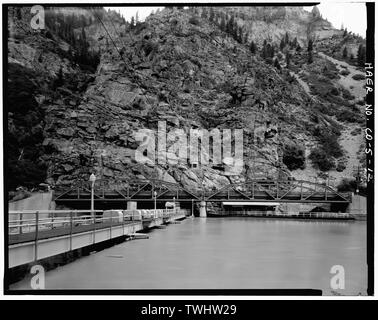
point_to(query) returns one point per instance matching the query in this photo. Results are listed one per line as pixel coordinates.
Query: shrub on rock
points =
(321, 160)
(294, 157)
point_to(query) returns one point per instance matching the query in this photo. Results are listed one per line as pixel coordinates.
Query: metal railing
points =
(325, 215)
(28, 228)
(314, 215)
(33, 221)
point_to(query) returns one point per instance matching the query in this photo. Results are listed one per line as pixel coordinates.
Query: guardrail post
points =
(21, 217)
(94, 227)
(123, 222)
(111, 224)
(36, 236)
(71, 227)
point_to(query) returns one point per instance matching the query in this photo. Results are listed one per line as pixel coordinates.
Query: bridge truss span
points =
(297, 191)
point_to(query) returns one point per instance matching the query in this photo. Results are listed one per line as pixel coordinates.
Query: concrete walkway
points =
(62, 231)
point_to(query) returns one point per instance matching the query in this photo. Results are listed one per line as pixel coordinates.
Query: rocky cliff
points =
(273, 23)
(175, 67)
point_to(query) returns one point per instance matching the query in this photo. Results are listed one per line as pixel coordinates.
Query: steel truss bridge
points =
(121, 191)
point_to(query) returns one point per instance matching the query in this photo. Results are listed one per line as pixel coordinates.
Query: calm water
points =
(227, 253)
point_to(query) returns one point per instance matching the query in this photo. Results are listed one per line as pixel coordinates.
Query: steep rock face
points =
(272, 23)
(184, 74)
(34, 63)
(175, 69)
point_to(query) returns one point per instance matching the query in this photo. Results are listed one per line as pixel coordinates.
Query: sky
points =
(351, 15)
(129, 12)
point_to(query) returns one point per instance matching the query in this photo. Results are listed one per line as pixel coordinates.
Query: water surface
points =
(225, 253)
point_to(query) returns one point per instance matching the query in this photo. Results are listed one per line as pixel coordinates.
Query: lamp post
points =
(358, 178)
(155, 195)
(174, 204)
(92, 179)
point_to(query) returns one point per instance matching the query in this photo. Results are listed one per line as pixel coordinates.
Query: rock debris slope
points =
(175, 67)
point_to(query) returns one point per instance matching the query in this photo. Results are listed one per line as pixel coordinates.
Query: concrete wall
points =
(302, 207)
(358, 205)
(289, 207)
(38, 201)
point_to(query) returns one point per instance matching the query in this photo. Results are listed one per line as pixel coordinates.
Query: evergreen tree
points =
(310, 58)
(295, 42)
(84, 44)
(239, 35)
(217, 18)
(230, 25)
(252, 47)
(59, 80)
(263, 50)
(345, 52)
(287, 59)
(286, 38)
(246, 36)
(223, 24)
(132, 22)
(276, 64)
(269, 50)
(282, 44)
(212, 14)
(361, 55)
(136, 18)
(310, 46)
(204, 13)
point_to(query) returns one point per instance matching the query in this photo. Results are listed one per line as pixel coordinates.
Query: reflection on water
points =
(219, 253)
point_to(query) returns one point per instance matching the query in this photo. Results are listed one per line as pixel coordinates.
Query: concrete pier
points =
(131, 205)
(203, 213)
(358, 206)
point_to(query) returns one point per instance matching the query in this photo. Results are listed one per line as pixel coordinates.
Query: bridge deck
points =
(62, 231)
(76, 231)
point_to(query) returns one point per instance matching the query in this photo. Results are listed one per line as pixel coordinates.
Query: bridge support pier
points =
(203, 213)
(131, 205)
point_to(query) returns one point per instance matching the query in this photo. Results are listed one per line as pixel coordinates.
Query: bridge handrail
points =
(74, 219)
(305, 214)
(49, 211)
